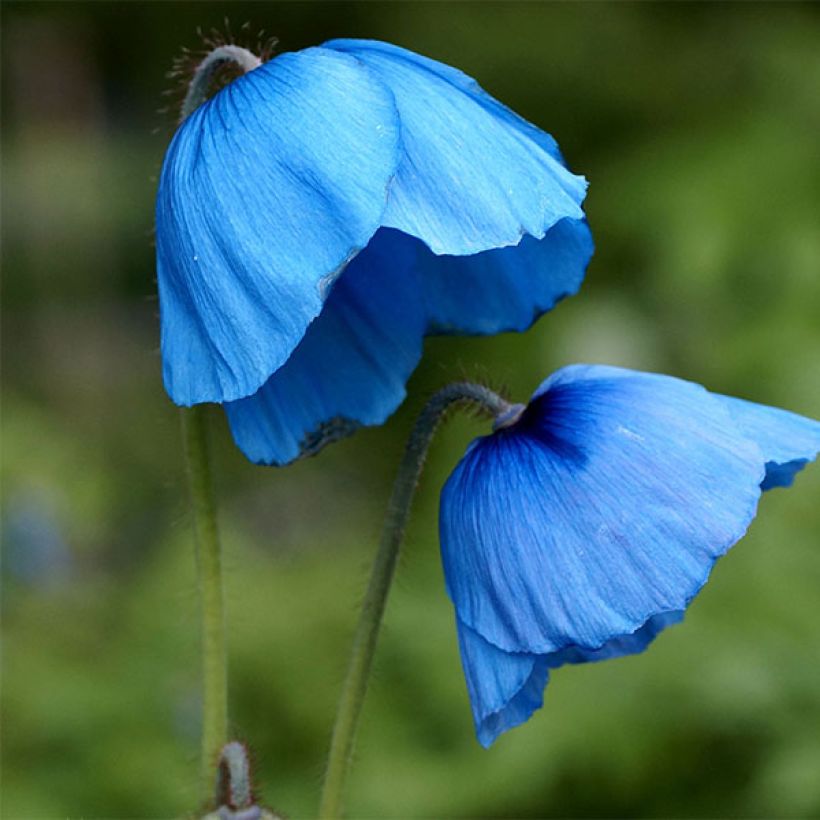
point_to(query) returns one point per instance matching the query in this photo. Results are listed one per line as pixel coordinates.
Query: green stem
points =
(367, 631)
(209, 558)
(209, 568)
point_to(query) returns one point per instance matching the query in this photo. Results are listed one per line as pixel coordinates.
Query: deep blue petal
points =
(788, 441)
(266, 191)
(508, 288)
(606, 504)
(352, 365)
(473, 176)
(505, 688)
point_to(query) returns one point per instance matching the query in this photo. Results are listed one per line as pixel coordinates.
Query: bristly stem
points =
(207, 69)
(209, 572)
(208, 550)
(367, 631)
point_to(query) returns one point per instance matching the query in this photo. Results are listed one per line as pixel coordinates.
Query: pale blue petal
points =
(505, 688)
(352, 365)
(473, 175)
(267, 190)
(508, 288)
(606, 504)
(788, 441)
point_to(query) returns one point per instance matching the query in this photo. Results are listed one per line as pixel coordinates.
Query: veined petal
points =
(507, 288)
(352, 364)
(788, 441)
(607, 503)
(267, 190)
(619, 646)
(505, 688)
(473, 175)
(459, 80)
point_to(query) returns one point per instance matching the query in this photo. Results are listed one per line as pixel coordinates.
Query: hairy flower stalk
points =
(209, 579)
(203, 505)
(383, 157)
(206, 71)
(370, 620)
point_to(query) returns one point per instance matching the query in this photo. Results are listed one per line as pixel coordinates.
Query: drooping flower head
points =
(322, 213)
(587, 522)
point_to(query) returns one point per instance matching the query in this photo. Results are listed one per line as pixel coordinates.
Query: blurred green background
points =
(697, 127)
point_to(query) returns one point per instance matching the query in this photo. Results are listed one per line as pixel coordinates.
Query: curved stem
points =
(207, 69)
(367, 631)
(209, 570)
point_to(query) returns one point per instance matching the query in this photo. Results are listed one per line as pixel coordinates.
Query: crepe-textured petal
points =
(505, 688)
(267, 190)
(787, 441)
(272, 190)
(583, 529)
(505, 289)
(352, 364)
(473, 175)
(619, 646)
(607, 503)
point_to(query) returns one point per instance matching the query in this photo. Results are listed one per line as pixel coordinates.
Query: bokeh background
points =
(697, 127)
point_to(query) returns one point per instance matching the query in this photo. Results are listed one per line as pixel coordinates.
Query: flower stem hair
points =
(367, 632)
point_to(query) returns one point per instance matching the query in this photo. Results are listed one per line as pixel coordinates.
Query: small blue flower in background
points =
(321, 214)
(588, 521)
(34, 537)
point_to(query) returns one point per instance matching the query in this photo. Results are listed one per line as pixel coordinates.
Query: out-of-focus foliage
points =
(697, 127)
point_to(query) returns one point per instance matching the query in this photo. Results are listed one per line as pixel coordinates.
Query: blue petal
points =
(460, 81)
(788, 441)
(619, 646)
(352, 365)
(508, 288)
(605, 505)
(473, 176)
(267, 190)
(505, 688)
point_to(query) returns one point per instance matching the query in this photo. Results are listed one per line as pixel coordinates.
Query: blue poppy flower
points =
(588, 521)
(322, 213)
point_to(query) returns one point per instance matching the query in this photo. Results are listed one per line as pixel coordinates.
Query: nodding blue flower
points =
(322, 213)
(587, 522)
